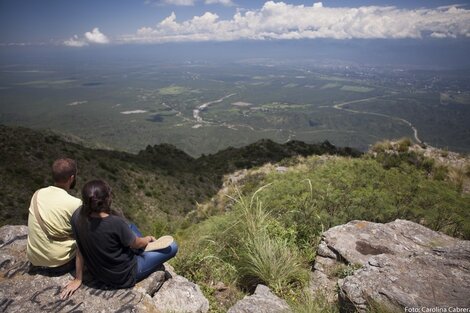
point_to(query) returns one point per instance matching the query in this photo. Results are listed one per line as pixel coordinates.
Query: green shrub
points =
(270, 261)
(382, 146)
(271, 236)
(440, 172)
(264, 252)
(428, 165)
(403, 144)
(343, 190)
(457, 176)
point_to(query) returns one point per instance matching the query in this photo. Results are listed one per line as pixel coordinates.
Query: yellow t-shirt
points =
(56, 207)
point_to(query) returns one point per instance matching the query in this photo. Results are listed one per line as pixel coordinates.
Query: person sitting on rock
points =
(110, 248)
(51, 247)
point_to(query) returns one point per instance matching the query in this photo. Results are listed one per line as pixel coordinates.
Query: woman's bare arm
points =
(142, 242)
(73, 285)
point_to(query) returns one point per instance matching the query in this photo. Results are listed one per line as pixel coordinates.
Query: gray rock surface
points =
(24, 291)
(180, 295)
(404, 264)
(262, 301)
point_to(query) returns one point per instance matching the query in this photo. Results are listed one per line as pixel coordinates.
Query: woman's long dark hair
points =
(96, 197)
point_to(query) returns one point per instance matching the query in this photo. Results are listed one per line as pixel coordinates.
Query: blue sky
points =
(79, 23)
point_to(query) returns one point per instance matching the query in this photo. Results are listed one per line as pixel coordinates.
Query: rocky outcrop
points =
(398, 264)
(262, 301)
(24, 291)
(180, 295)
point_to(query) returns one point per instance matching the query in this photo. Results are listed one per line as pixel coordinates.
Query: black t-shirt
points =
(105, 246)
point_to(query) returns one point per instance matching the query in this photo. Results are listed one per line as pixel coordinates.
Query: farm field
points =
(203, 108)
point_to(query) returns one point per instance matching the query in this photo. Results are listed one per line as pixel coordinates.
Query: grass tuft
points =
(263, 255)
(308, 303)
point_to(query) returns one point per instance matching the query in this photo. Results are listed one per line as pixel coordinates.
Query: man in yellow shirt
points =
(50, 242)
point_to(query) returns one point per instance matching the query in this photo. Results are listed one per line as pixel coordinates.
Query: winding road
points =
(339, 106)
(202, 107)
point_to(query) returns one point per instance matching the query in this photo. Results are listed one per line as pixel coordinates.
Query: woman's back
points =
(105, 245)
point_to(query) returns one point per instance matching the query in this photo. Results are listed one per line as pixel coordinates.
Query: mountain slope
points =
(158, 185)
(265, 225)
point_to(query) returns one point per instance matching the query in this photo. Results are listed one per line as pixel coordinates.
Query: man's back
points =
(55, 207)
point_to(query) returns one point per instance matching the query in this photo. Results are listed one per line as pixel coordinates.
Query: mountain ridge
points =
(160, 181)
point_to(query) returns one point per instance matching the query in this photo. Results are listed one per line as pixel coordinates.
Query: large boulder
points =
(262, 301)
(398, 265)
(180, 295)
(21, 290)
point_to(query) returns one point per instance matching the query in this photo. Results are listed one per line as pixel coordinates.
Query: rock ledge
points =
(401, 264)
(22, 291)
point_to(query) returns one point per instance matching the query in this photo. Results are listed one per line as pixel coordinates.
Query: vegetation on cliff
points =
(253, 214)
(268, 227)
(154, 188)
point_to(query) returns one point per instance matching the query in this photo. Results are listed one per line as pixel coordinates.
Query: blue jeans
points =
(148, 262)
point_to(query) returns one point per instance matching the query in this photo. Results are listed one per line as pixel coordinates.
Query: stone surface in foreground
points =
(22, 291)
(404, 264)
(262, 301)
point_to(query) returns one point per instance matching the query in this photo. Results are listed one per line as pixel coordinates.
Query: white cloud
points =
(223, 2)
(278, 20)
(318, 5)
(22, 44)
(95, 36)
(75, 42)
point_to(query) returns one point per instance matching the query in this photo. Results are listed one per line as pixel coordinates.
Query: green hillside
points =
(154, 188)
(254, 214)
(264, 227)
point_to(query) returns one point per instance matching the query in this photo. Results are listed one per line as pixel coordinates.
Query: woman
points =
(108, 246)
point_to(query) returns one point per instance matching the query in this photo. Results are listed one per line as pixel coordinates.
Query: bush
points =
(403, 144)
(270, 261)
(343, 190)
(457, 176)
(265, 254)
(247, 245)
(271, 236)
(382, 146)
(440, 172)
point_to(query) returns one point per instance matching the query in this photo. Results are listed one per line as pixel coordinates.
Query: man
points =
(50, 243)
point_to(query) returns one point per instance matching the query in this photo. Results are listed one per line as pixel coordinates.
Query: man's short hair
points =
(63, 169)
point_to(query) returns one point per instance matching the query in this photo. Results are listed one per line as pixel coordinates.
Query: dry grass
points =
(382, 146)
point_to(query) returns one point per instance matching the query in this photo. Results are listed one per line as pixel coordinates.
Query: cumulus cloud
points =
(75, 42)
(278, 20)
(21, 44)
(95, 36)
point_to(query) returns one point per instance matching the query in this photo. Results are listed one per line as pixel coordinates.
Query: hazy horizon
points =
(397, 33)
(207, 74)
